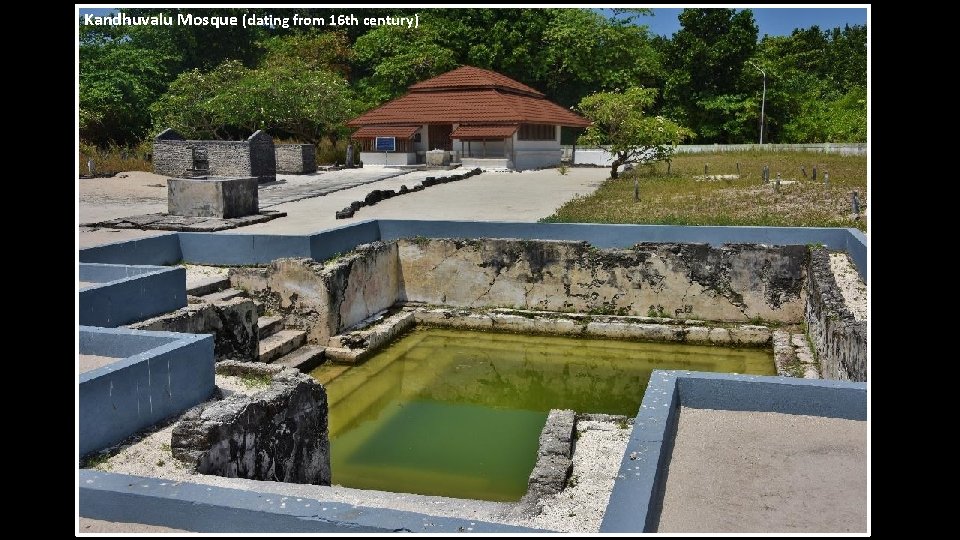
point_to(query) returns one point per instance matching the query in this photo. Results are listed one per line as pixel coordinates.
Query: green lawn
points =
(679, 198)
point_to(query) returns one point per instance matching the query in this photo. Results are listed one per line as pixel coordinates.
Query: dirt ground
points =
(492, 196)
(746, 472)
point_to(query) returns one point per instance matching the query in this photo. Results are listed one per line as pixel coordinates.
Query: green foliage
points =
(397, 57)
(255, 380)
(118, 82)
(843, 119)
(316, 49)
(634, 137)
(706, 61)
(817, 85)
(303, 83)
(584, 50)
(285, 96)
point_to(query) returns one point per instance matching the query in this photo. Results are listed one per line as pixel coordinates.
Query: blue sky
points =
(772, 21)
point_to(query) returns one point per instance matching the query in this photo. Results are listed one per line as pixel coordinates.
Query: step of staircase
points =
(209, 285)
(280, 344)
(305, 358)
(220, 296)
(268, 326)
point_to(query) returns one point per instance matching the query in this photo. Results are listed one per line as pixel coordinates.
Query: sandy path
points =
(743, 472)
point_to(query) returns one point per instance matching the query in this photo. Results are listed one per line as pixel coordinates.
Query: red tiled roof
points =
(467, 133)
(469, 106)
(371, 132)
(473, 77)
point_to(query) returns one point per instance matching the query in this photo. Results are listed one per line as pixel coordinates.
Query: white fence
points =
(600, 156)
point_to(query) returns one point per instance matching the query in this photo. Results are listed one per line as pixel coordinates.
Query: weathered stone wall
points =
(840, 340)
(278, 434)
(174, 156)
(233, 324)
(729, 283)
(296, 158)
(554, 457)
(326, 298)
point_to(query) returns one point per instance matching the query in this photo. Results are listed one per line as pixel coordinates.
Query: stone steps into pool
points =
(208, 285)
(269, 325)
(281, 343)
(304, 358)
(220, 296)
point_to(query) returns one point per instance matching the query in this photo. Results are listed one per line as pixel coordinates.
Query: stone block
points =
(278, 434)
(210, 196)
(438, 158)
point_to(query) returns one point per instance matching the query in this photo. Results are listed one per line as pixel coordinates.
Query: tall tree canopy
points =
(706, 60)
(305, 82)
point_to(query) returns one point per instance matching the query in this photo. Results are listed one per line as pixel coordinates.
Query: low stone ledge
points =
(554, 458)
(278, 434)
(232, 322)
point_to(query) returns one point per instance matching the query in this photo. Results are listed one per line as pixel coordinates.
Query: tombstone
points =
(636, 189)
(814, 173)
(738, 168)
(804, 171)
(668, 167)
(201, 165)
(90, 167)
(350, 156)
(776, 186)
(826, 178)
(765, 174)
(855, 204)
(705, 169)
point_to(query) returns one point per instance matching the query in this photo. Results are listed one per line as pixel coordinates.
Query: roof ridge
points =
(467, 76)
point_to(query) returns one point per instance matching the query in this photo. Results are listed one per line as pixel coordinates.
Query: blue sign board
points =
(386, 144)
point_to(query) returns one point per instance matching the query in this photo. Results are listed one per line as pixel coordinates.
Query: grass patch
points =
(678, 198)
(113, 159)
(255, 380)
(97, 461)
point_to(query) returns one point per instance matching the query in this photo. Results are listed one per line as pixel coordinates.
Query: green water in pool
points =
(458, 413)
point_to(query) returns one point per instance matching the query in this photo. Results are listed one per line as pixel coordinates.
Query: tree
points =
(619, 121)
(586, 52)
(816, 89)
(396, 57)
(231, 101)
(706, 60)
(118, 82)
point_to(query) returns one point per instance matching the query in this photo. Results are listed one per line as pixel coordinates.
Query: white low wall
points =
(600, 156)
(535, 159)
(391, 158)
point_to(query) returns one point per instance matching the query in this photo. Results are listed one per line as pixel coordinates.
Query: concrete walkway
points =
(492, 196)
(312, 200)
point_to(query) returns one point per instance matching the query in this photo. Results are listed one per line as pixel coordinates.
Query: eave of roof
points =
(371, 132)
(469, 106)
(467, 133)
